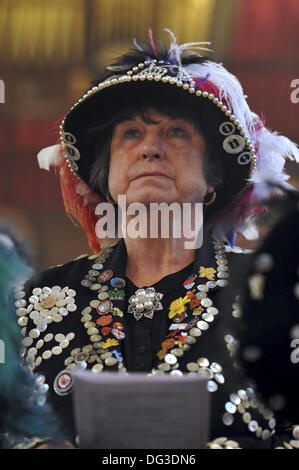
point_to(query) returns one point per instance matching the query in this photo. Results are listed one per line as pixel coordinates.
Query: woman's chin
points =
(151, 199)
(153, 195)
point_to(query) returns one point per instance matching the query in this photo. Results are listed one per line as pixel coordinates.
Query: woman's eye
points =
(177, 132)
(131, 133)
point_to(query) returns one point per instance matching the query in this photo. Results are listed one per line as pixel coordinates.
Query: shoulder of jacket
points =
(90, 256)
(238, 250)
(86, 258)
(56, 288)
(70, 272)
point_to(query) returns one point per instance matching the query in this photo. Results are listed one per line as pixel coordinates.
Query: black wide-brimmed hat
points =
(138, 77)
(249, 153)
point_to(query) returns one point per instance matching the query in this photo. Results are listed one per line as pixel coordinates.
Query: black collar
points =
(204, 256)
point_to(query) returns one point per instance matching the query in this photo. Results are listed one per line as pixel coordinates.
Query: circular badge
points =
(206, 302)
(117, 294)
(192, 367)
(71, 150)
(81, 357)
(244, 158)
(95, 338)
(176, 372)
(104, 307)
(105, 275)
(202, 325)
(214, 311)
(189, 283)
(168, 343)
(63, 382)
(215, 367)
(203, 362)
(208, 317)
(177, 352)
(103, 296)
(97, 266)
(202, 288)
(227, 128)
(179, 317)
(68, 137)
(211, 284)
(73, 164)
(117, 282)
(233, 144)
(117, 312)
(110, 361)
(170, 359)
(117, 333)
(48, 302)
(106, 330)
(104, 320)
(164, 366)
(212, 386)
(97, 368)
(195, 332)
(56, 350)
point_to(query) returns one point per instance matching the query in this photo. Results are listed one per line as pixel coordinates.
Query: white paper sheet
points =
(140, 411)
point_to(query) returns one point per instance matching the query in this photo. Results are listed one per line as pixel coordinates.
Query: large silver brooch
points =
(144, 303)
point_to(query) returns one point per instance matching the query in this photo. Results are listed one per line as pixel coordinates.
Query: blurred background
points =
(51, 50)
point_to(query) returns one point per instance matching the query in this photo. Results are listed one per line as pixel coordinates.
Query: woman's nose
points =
(152, 148)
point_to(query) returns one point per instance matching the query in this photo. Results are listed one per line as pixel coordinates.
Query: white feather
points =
(176, 51)
(231, 90)
(48, 157)
(272, 149)
(250, 230)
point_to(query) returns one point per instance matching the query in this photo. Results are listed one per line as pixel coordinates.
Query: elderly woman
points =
(161, 126)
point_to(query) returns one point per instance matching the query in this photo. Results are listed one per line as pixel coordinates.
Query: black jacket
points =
(235, 410)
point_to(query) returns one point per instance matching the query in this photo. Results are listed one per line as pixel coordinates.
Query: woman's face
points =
(160, 162)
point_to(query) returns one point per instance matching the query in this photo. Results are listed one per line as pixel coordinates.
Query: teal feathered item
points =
(21, 417)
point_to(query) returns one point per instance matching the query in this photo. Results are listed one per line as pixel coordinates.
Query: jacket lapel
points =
(204, 274)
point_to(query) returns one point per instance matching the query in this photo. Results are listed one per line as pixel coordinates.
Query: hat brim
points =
(100, 105)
